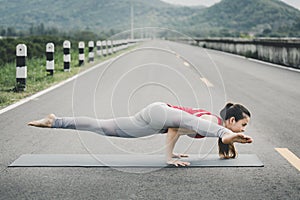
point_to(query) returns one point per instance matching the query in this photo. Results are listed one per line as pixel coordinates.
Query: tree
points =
(11, 31)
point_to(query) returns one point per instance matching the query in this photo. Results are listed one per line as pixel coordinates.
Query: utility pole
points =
(132, 20)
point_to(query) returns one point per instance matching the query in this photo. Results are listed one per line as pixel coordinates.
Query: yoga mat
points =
(131, 160)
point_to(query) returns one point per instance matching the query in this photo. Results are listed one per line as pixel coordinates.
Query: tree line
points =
(36, 38)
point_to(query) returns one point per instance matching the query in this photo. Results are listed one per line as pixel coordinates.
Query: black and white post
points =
(67, 55)
(109, 47)
(21, 68)
(81, 56)
(91, 51)
(114, 44)
(104, 48)
(50, 58)
(99, 48)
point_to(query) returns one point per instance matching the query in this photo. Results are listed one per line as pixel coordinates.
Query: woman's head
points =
(235, 117)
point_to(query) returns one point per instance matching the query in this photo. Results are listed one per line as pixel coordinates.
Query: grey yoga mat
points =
(131, 160)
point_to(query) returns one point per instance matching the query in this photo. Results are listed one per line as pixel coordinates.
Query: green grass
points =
(37, 77)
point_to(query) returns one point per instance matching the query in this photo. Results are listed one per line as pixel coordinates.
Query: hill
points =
(227, 18)
(89, 14)
(259, 17)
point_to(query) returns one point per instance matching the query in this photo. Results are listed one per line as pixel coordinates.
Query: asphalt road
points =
(158, 71)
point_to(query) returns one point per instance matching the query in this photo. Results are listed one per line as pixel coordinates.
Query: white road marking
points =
(206, 82)
(186, 64)
(292, 158)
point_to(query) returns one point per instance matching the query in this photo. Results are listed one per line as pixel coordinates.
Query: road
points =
(158, 71)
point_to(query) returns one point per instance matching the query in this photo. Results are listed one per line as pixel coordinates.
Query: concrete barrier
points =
(279, 51)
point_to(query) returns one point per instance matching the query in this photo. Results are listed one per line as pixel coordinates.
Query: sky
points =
(294, 3)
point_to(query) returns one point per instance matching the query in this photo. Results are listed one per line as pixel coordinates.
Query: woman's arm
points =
(184, 131)
(172, 137)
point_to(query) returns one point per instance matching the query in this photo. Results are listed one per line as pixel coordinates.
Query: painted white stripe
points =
(186, 64)
(206, 82)
(67, 58)
(21, 72)
(81, 56)
(21, 102)
(50, 65)
(289, 156)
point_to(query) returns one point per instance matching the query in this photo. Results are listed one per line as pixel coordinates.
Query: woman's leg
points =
(128, 127)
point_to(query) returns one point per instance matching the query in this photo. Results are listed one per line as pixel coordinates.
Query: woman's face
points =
(237, 126)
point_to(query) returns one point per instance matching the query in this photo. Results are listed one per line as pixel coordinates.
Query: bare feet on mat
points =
(44, 123)
(236, 137)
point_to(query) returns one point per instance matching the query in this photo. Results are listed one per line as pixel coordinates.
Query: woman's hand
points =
(178, 163)
(230, 138)
(180, 155)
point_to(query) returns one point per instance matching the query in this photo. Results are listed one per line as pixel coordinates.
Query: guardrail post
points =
(67, 55)
(113, 43)
(21, 68)
(81, 53)
(109, 47)
(104, 48)
(91, 51)
(99, 49)
(50, 58)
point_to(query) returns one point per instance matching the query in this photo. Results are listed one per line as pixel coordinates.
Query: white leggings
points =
(154, 118)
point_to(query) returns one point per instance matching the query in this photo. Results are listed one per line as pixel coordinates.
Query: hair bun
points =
(228, 105)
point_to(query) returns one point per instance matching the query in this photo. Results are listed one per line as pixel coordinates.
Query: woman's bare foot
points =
(236, 137)
(44, 123)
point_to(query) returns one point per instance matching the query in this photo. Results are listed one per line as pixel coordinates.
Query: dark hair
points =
(239, 112)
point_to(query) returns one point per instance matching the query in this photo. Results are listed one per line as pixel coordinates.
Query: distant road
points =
(158, 71)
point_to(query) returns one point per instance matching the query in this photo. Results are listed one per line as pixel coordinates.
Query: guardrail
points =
(283, 51)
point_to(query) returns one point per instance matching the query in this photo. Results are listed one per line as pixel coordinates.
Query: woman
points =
(160, 117)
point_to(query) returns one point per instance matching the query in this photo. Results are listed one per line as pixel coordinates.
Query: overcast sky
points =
(295, 3)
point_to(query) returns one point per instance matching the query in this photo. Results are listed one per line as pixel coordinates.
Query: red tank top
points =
(197, 112)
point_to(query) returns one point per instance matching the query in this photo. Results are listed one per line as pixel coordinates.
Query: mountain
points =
(227, 18)
(254, 16)
(93, 14)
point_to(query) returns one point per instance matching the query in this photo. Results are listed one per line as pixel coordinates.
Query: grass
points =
(37, 77)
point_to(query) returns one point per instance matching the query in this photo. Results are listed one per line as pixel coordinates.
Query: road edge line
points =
(38, 94)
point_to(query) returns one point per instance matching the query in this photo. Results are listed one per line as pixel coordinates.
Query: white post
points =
(113, 45)
(81, 56)
(50, 58)
(109, 47)
(91, 51)
(67, 55)
(99, 51)
(21, 68)
(104, 48)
